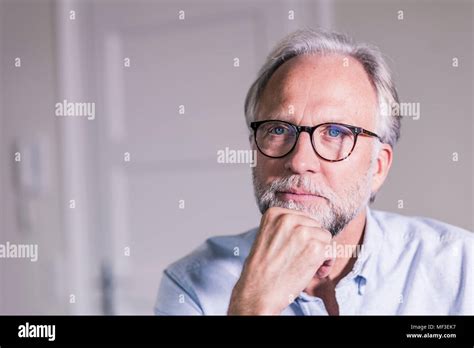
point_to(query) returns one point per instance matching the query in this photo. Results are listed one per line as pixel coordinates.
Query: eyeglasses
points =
(332, 142)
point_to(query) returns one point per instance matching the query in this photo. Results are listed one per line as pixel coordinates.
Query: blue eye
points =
(334, 132)
(278, 130)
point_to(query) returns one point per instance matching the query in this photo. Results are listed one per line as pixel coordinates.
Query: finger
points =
(325, 269)
(308, 221)
(295, 212)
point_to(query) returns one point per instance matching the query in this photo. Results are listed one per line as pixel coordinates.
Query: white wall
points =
(28, 94)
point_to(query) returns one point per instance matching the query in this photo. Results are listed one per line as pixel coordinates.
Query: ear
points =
(382, 166)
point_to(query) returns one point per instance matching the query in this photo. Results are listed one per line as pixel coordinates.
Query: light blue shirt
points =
(407, 265)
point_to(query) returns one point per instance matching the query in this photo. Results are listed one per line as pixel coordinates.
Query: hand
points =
(289, 250)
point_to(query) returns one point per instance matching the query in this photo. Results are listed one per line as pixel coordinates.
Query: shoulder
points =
(416, 229)
(427, 263)
(438, 249)
(215, 264)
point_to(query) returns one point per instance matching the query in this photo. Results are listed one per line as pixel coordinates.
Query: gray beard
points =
(333, 214)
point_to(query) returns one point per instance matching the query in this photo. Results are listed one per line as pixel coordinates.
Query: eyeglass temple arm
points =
(362, 131)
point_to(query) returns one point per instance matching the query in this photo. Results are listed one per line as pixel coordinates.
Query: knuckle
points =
(304, 233)
(286, 220)
(269, 214)
(316, 249)
(314, 244)
(329, 236)
(325, 236)
(298, 234)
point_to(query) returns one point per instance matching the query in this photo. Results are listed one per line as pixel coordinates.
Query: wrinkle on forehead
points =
(320, 89)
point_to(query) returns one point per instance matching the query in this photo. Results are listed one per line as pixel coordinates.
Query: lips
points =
(299, 192)
(297, 195)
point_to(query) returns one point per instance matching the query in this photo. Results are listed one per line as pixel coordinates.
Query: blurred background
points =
(111, 201)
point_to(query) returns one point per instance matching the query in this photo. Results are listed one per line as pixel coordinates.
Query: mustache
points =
(299, 182)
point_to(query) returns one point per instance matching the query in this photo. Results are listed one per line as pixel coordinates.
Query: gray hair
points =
(309, 41)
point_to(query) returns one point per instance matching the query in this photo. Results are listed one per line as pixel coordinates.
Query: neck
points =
(348, 239)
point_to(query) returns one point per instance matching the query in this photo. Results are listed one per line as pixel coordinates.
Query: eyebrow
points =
(288, 118)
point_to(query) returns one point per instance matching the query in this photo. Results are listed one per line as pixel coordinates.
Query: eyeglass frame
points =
(356, 131)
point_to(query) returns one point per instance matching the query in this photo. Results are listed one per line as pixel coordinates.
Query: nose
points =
(303, 159)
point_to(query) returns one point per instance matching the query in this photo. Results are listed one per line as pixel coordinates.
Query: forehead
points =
(319, 88)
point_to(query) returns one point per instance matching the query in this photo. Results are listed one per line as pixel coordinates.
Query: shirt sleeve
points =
(174, 299)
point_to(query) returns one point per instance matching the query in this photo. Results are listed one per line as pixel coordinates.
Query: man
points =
(324, 150)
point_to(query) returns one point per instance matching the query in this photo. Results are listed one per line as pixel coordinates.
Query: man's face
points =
(307, 91)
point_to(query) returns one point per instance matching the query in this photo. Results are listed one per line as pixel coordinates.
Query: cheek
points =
(344, 175)
(268, 168)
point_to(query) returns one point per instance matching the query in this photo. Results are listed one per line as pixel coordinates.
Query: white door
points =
(169, 81)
